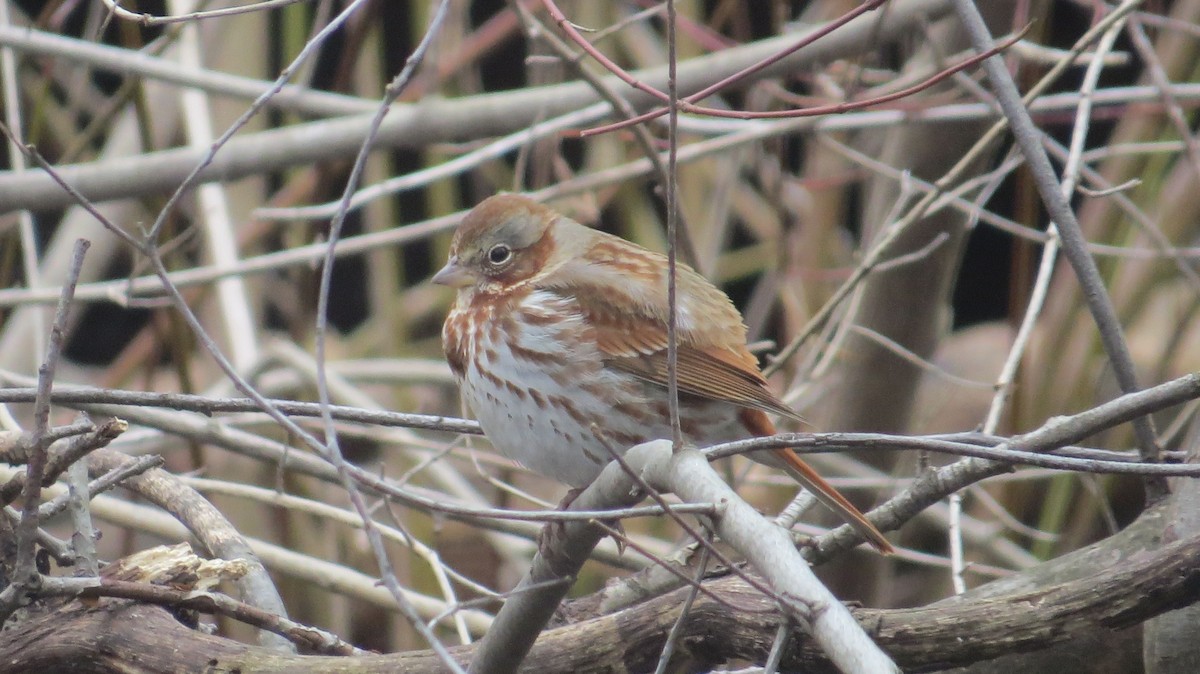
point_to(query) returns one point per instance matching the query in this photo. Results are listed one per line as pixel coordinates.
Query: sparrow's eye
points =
(499, 254)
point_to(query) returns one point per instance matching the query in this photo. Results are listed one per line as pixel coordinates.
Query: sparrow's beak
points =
(453, 275)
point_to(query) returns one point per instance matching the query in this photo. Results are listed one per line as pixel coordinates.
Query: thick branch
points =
(1054, 603)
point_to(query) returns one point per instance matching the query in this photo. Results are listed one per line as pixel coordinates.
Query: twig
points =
(921, 363)
(60, 461)
(672, 229)
(83, 535)
(1028, 137)
(332, 450)
(151, 20)
(25, 575)
(1154, 69)
(105, 482)
(14, 445)
(817, 110)
(942, 184)
(84, 395)
(806, 443)
(213, 603)
(640, 134)
(685, 609)
(59, 549)
(742, 74)
(954, 538)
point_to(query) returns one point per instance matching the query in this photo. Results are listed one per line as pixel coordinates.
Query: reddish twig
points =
(833, 109)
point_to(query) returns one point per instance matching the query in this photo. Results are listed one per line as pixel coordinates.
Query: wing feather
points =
(704, 373)
(621, 290)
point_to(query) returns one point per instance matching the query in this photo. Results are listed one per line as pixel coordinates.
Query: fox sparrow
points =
(558, 327)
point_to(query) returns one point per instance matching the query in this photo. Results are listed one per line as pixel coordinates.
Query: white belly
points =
(544, 385)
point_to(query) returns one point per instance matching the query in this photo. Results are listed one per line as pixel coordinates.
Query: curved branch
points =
(1034, 610)
(206, 523)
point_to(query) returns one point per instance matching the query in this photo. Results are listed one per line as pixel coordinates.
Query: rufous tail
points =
(760, 425)
(833, 499)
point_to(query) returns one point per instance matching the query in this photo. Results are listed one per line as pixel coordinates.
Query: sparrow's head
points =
(500, 243)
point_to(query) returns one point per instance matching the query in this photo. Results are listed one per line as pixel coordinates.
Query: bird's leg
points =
(556, 529)
(569, 498)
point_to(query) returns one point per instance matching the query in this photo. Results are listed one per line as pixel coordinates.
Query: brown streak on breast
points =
(492, 378)
(536, 357)
(596, 389)
(564, 403)
(498, 327)
(454, 343)
(623, 439)
(516, 390)
(637, 411)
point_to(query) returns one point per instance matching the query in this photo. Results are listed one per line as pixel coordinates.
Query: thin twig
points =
(685, 610)
(83, 535)
(213, 603)
(1028, 137)
(332, 450)
(74, 450)
(817, 110)
(672, 231)
(103, 483)
(152, 20)
(640, 134)
(25, 575)
(952, 176)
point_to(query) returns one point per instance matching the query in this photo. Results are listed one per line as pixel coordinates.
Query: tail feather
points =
(833, 499)
(759, 424)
